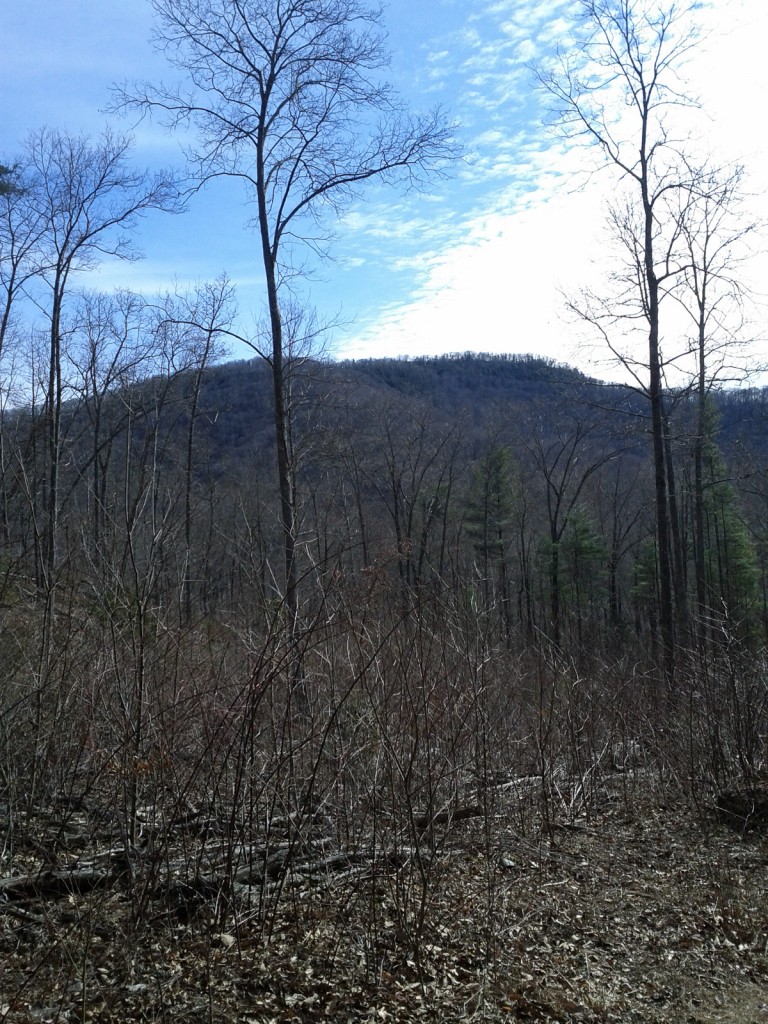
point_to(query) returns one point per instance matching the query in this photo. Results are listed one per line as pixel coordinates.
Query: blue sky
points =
(481, 261)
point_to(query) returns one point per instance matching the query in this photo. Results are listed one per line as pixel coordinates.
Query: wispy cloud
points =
(533, 222)
(476, 263)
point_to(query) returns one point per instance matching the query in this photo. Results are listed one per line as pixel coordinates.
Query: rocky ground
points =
(645, 910)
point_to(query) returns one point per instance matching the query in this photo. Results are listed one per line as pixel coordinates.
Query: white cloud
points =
(497, 291)
(500, 284)
(475, 264)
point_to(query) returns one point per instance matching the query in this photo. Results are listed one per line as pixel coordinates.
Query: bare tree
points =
(566, 460)
(21, 227)
(287, 96)
(111, 347)
(202, 317)
(84, 197)
(617, 91)
(714, 236)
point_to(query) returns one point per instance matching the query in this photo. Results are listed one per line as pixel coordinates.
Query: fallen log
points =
(448, 817)
(52, 884)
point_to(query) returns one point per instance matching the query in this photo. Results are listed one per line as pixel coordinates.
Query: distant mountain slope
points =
(235, 412)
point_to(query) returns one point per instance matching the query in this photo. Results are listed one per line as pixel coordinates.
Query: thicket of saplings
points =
(152, 687)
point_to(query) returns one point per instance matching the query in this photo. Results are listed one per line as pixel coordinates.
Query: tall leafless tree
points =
(566, 460)
(617, 90)
(21, 226)
(202, 317)
(714, 236)
(84, 197)
(112, 348)
(288, 96)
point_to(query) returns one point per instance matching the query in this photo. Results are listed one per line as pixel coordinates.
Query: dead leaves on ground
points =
(646, 915)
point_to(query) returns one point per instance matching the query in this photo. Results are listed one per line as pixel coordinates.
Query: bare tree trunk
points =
(678, 553)
(655, 395)
(702, 611)
(285, 476)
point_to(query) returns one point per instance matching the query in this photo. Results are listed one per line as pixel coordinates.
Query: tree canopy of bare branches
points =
(288, 96)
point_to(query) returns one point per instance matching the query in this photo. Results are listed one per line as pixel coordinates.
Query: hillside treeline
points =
(512, 488)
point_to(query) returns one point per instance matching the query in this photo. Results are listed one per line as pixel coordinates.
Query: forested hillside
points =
(511, 482)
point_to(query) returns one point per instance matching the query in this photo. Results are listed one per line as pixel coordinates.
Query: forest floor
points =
(645, 911)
